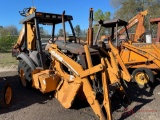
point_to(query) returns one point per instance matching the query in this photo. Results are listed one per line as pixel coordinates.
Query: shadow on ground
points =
(139, 97)
(23, 97)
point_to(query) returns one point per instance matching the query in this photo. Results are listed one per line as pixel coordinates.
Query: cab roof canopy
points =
(46, 18)
(112, 23)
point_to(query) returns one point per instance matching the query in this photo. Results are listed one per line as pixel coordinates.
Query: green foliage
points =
(100, 15)
(127, 9)
(77, 30)
(7, 42)
(8, 36)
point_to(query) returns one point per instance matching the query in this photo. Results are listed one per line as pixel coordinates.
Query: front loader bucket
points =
(66, 93)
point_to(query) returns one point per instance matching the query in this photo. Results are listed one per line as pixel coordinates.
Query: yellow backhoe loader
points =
(142, 59)
(122, 70)
(65, 67)
(137, 20)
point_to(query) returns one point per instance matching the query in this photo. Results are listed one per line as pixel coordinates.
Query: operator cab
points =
(114, 25)
(33, 41)
(39, 19)
(34, 44)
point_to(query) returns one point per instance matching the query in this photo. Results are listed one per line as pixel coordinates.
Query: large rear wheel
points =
(5, 94)
(24, 72)
(143, 76)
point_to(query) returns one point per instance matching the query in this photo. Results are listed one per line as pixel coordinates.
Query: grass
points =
(6, 60)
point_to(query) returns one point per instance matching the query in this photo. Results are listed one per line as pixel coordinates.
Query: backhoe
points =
(141, 59)
(65, 67)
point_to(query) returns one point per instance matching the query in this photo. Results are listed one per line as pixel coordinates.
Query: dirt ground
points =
(32, 105)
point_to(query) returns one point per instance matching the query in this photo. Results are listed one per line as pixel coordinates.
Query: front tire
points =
(24, 72)
(5, 94)
(143, 76)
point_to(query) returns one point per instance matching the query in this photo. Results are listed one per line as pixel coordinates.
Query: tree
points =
(7, 37)
(12, 30)
(43, 32)
(77, 30)
(60, 33)
(127, 9)
(1, 27)
(100, 15)
(83, 33)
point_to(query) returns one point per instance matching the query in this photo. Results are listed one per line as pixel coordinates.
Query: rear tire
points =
(143, 76)
(5, 94)
(24, 72)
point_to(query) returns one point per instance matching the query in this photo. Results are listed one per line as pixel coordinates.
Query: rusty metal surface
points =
(72, 47)
(112, 23)
(154, 20)
(47, 20)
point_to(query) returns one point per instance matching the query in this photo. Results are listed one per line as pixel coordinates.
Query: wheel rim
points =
(8, 95)
(141, 78)
(23, 79)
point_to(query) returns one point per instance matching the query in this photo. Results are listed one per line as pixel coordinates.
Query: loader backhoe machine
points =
(119, 69)
(142, 59)
(139, 30)
(66, 67)
(92, 42)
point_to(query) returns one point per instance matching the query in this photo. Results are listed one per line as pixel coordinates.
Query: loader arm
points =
(125, 74)
(71, 83)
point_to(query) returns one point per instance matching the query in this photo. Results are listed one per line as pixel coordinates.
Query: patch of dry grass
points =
(6, 59)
